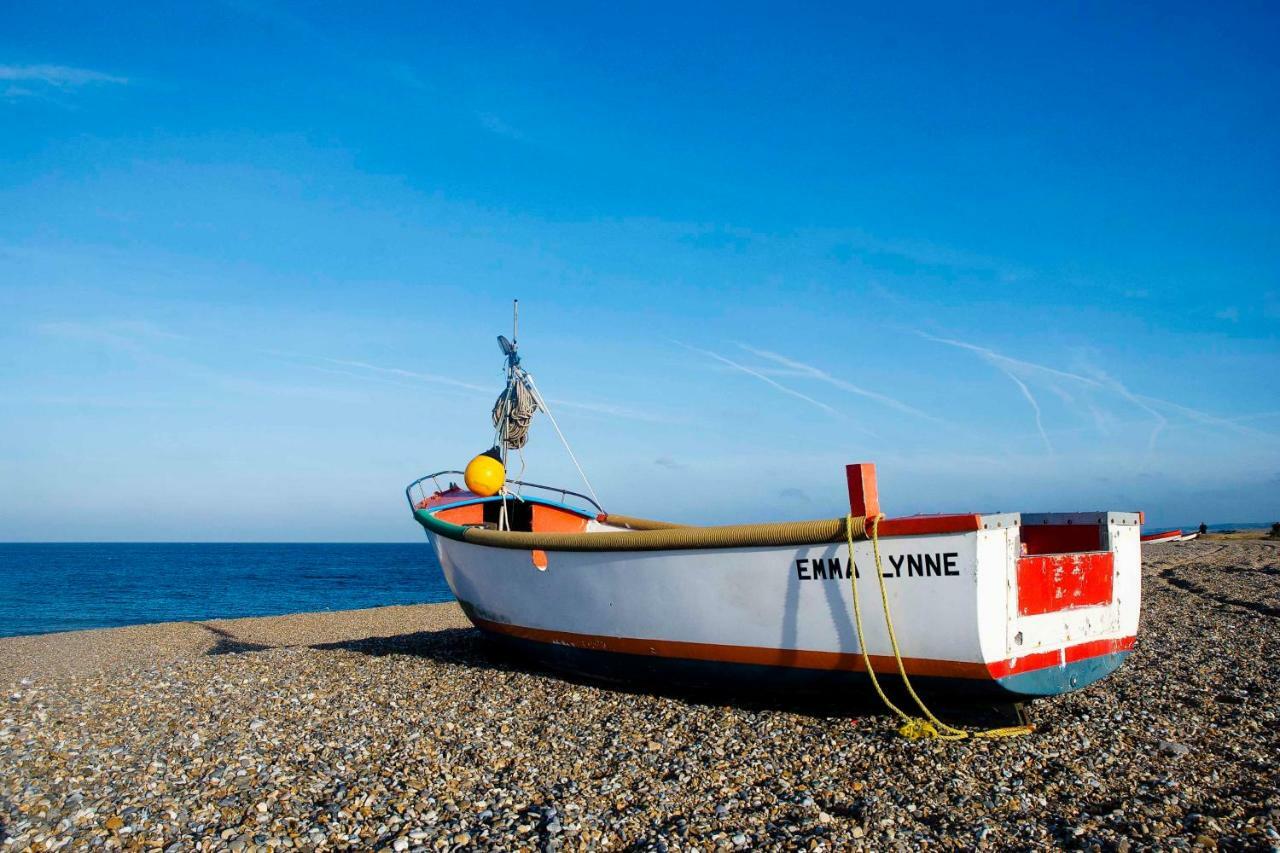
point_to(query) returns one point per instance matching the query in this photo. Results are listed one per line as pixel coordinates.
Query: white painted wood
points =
(755, 597)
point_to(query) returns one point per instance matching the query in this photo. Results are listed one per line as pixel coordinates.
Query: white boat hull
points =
(962, 604)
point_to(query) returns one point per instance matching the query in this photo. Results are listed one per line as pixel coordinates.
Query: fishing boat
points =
(986, 605)
(1162, 537)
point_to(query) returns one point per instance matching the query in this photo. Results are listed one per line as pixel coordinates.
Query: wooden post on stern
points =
(864, 499)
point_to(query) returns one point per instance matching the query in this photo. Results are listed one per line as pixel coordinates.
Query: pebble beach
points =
(399, 728)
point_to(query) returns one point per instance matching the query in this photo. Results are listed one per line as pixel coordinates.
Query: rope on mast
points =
(542, 404)
(513, 412)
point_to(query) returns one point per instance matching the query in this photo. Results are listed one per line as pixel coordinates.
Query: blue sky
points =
(253, 258)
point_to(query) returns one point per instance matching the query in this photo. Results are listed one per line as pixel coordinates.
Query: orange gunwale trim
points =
(802, 658)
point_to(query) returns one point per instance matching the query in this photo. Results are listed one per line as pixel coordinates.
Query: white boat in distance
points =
(1166, 536)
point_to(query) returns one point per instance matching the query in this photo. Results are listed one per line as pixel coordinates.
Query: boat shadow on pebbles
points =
(472, 649)
(227, 643)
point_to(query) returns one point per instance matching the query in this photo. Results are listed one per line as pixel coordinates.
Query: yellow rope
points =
(912, 727)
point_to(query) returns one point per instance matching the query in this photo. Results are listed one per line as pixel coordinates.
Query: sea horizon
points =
(48, 587)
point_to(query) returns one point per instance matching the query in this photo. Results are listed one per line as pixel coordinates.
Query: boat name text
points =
(908, 565)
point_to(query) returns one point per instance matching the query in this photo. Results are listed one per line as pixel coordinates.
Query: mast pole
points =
(512, 360)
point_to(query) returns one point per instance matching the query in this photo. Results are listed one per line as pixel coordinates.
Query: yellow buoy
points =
(485, 474)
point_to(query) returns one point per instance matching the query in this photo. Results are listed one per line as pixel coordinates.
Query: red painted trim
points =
(801, 658)
(1168, 535)
(1058, 657)
(1048, 583)
(919, 525)
(864, 497)
(452, 496)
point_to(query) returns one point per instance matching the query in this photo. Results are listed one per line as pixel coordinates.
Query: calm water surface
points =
(68, 587)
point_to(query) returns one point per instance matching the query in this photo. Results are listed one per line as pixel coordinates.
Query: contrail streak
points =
(765, 379)
(598, 408)
(1232, 424)
(817, 373)
(611, 410)
(410, 374)
(1005, 365)
(1105, 382)
(1026, 392)
(995, 356)
(1161, 421)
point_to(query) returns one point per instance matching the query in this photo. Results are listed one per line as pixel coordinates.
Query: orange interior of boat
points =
(527, 517)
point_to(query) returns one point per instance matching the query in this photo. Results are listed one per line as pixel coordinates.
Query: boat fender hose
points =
(912, 728)
(666, 538)
(636, 523)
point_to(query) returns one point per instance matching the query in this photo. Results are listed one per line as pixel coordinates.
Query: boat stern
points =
(1072, 594)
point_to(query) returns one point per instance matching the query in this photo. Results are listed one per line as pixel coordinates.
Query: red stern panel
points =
(1051, 582)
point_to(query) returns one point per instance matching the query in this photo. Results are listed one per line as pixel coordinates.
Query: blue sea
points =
(69, 587)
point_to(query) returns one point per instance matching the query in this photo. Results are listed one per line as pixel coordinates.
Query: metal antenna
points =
(515, 323)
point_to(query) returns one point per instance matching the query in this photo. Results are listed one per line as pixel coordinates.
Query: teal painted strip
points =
(1053, 680)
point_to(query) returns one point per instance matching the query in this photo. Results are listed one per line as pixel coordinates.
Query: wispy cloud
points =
(1118, 387)
(765, 379)
(1007, 366)
(799, 368)
(366, 370)
(1018, 370)
(1206, 419)
(495, 124)
(611, 410)
(409, 374)
(924, 254)
(365, 377)
(780, 372)
(124, 334)
(25, 81)
(992, 355)
(165, 351)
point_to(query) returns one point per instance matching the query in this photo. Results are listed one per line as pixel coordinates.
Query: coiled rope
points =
(513, 416)
(912, 728)
(513, 413)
